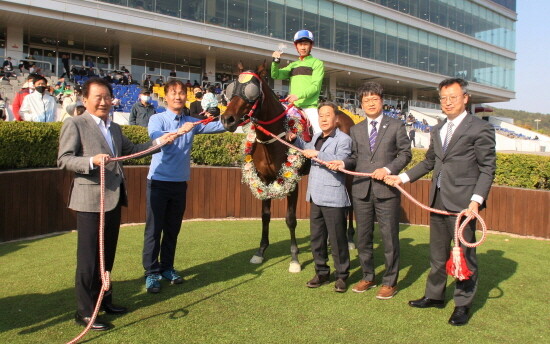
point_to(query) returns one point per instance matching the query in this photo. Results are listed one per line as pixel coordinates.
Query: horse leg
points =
(351, 229)
(258, 257)
(292, 200)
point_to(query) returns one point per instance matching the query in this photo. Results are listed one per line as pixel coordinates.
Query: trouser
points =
(387, 213)
(331, 222)
(313, 117)
(88, 279)
(165, 208)
(441, 234)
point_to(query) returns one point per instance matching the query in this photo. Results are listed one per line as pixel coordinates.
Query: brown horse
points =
(251, 98)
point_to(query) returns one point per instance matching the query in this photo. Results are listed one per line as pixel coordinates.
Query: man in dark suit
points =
(463, 160)
(380, 146)
(84, 141)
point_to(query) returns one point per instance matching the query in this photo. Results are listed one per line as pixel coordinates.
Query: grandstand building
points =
(408, 46)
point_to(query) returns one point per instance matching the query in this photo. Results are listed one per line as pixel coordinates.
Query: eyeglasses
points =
(371, 100)
(453, 99)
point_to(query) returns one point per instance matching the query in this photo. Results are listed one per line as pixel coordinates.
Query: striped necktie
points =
(445, 145)
(373, 134)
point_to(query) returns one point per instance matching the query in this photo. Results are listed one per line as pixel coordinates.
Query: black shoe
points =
(424, 302)
(113, 309)
(97, 325)
(318, 280)
(340, 286)
(460, 316)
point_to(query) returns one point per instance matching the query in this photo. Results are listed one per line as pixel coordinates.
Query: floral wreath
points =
(288, 176)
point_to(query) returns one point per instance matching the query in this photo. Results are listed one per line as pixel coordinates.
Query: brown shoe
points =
(317, 281)
(386, 292)
(363, 286)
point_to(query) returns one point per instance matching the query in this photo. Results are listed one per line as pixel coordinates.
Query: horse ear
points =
(262, 71)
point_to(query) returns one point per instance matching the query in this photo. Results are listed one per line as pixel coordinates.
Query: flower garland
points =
(288, 176)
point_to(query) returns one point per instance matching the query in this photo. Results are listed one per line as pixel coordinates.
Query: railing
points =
(424, 104)
(216, 192)
(39, 63)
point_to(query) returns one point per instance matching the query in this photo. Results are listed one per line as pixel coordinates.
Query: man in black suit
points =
(462, 157)
(83, 142)
(380, 146)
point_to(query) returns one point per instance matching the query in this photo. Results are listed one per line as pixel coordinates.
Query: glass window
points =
(354, 31)
(311, 16)
(293, 18)
(276, 22)
(326, 24)
(192, 10)
(76, 59)
(257, 17)
(168, 7)
(380, 38)
(237, 14)
(146, 5)
(215, 12)
(138, 70)
(341, 28)
(402, 45)
(391, 41)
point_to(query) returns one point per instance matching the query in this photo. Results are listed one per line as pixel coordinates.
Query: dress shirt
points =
(173, 162)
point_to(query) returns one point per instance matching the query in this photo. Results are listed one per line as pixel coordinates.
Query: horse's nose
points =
(228, 122)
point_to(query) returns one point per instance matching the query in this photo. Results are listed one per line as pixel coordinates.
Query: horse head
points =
(245, 96)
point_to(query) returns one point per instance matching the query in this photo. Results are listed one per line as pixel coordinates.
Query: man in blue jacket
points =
(328, 196)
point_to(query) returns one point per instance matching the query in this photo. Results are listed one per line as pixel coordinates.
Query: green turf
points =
(225, 299)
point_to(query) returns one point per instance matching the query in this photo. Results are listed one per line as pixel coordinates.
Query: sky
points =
(533, 58)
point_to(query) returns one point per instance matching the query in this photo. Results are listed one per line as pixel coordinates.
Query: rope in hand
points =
(106, 275)
(456, 265)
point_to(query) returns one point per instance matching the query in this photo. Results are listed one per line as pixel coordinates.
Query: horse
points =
(251, 99)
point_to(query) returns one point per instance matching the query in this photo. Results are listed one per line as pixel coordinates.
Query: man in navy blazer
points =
(327, 193)
(463, 160)
(381, 147)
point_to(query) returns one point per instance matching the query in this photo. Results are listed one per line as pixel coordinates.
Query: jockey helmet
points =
(303, 35)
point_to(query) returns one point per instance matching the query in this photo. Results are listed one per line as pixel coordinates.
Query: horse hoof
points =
(256, 259)
(294, 267)
(351, 246)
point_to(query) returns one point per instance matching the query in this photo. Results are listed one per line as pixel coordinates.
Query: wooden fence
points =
(33, 202)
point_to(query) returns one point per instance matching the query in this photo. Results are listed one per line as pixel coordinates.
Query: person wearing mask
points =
(306, 77)
(142, 110)
(70, 103)
(209, 99)
(148, 83)
(28, 88)
(39, 106)
(195, 108)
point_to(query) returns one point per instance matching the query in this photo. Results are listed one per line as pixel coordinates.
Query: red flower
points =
(260, 190)
(291, 123)
(294, 130)
(288, 164)
(280, 181)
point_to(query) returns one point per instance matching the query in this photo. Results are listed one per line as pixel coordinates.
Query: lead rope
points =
(456, 265)
(106, 275)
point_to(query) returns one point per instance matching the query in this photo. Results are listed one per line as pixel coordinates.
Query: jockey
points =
(306, 77)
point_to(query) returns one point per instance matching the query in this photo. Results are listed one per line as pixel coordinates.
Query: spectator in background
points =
(142, 110)
(218, 89)
(66, 67)
(412, 136)
(148, 83)
(188, 84)
(25, 64)
(28, 87)
(209, 100)
(160, 81)
(196, 83)
(39, 106)
(70, 103)
(8, 68)
(34, 69)
(173, 73)
(195, 108)
(90, 65)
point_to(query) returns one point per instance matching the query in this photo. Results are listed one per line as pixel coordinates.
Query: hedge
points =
(33, 145)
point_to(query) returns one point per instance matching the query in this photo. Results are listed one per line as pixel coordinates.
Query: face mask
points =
(40, 89)
(145, 99)
(198, 95)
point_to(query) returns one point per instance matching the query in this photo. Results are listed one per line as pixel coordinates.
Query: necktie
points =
(373, 134)
(445, 144)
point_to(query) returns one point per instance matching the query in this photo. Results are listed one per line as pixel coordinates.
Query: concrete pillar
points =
(125, 56)
(210, 66)
(14, 43)
(332, 87)
(414, 95)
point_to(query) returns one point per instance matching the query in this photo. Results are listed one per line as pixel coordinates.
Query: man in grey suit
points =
(327, 193)
(84, 141)
(463, 160)
(380, 146)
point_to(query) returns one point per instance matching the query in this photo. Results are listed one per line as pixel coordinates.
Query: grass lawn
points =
(225, 299)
